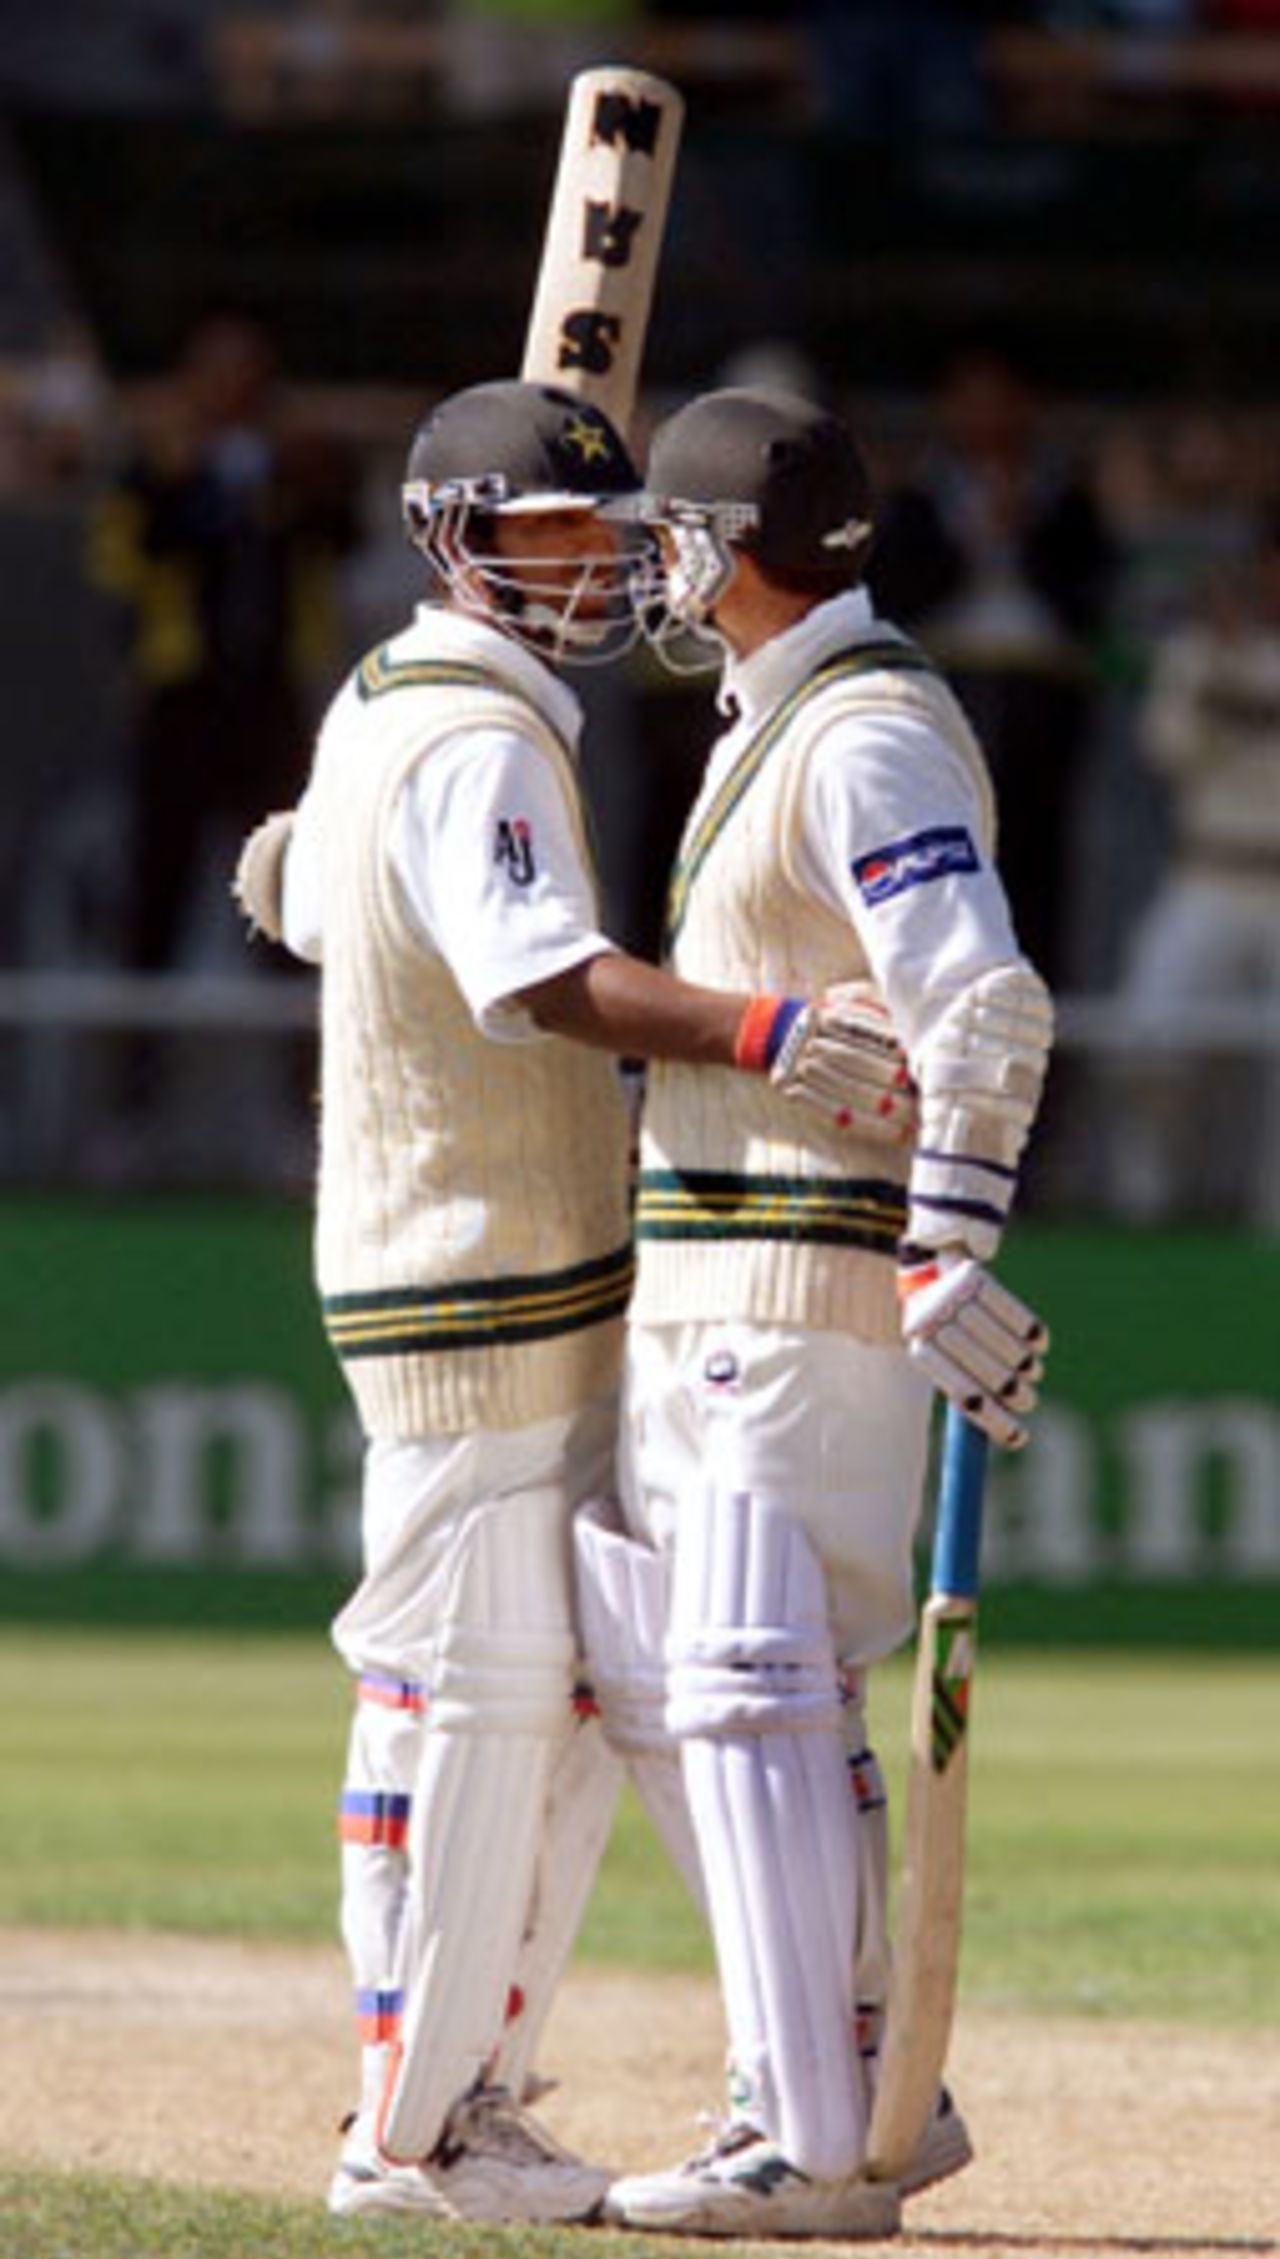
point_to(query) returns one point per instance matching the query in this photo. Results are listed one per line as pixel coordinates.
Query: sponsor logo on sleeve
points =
(513, 849)
(913, 861)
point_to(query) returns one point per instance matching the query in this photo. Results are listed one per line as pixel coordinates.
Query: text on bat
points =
(588, 339)
(608, 232)
(620, 116)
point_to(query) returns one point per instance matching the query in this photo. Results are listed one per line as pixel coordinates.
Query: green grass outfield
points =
(75, 2216)
(1124, 1859)
(1124, 1840)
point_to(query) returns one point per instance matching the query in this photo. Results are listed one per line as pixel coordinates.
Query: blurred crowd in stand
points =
(931, 65)
(190, 564)
(1102, 587)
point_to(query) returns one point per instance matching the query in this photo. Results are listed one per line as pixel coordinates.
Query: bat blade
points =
(604, 231)
(926, 1962)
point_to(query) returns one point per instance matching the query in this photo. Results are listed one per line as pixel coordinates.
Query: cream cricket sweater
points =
(748, 1206)
(472, 1236)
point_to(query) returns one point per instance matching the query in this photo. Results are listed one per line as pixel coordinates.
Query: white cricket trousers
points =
(836, 1428)
(418, 1496)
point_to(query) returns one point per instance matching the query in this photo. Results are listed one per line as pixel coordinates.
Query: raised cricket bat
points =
(922, 1991)
(604, 231)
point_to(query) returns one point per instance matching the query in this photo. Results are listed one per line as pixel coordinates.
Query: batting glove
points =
(258, 885)
(982, 1347)
(838, 1055)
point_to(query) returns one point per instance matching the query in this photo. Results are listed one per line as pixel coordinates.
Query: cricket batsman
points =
(802, 1287)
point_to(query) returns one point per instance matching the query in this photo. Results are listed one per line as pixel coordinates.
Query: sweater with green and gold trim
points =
(748, 1206)
(472, 1234)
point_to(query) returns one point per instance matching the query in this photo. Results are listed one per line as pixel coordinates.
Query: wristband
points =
(918, 1267)
(762, 1031)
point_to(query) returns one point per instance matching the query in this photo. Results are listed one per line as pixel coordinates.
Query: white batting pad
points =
(582, 1797)
(871, 1959)
(749, 1647)
(624, 1591)
(497, 1701)
(624, 1595)
(754, 1698)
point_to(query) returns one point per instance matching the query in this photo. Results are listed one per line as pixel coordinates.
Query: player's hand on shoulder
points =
(840, 1056)
(978, 1344)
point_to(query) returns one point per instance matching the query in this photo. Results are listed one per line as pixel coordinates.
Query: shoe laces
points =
(492, 2120)
(727, 2137)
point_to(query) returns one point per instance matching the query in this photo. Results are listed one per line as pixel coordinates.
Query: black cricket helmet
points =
(507, 450)
(761, 470)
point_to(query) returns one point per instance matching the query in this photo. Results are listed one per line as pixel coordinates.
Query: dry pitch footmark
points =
(229, 2065)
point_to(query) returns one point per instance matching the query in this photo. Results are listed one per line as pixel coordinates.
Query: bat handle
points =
(957, 1538)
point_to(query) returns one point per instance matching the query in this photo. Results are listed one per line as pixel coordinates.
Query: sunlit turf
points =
(1124, 1853)
(90, 2216)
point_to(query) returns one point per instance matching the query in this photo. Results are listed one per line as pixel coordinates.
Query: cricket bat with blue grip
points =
(926, 1960)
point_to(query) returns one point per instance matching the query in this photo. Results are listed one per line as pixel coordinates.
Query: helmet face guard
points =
(760, 472)
(506, 452)
(676, 588)
(574, 610)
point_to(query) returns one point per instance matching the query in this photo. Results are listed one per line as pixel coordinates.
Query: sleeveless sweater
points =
(472, 1234)
(748, 1205)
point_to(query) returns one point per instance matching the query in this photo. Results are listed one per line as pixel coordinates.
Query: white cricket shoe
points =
(944, 2148)
(496, 2162)
(743, 2186)
(365, 2182)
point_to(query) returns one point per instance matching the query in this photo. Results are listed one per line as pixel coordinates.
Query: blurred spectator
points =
(507, 55)
(1178, 491)
(914, 67)
(775, 364)
(1179, 497)
(1242, 15)
(1120, 15)
(221, 539)
(381, 579)
(1210, 726)
(54, 419)
(995, 551)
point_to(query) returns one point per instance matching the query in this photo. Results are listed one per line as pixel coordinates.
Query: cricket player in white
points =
(1209, 725)
(801, 1289)
(474, 1261)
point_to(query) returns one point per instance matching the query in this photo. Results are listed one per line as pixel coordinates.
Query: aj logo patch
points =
(513, 849)
(913, 861)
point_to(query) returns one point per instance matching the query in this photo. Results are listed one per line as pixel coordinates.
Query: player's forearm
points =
(836, 1054)
(617, 1003)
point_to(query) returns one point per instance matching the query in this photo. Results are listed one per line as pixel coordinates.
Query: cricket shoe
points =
(495, 2161)
(744, 2187)
(365, 2182)
(944, 2148)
